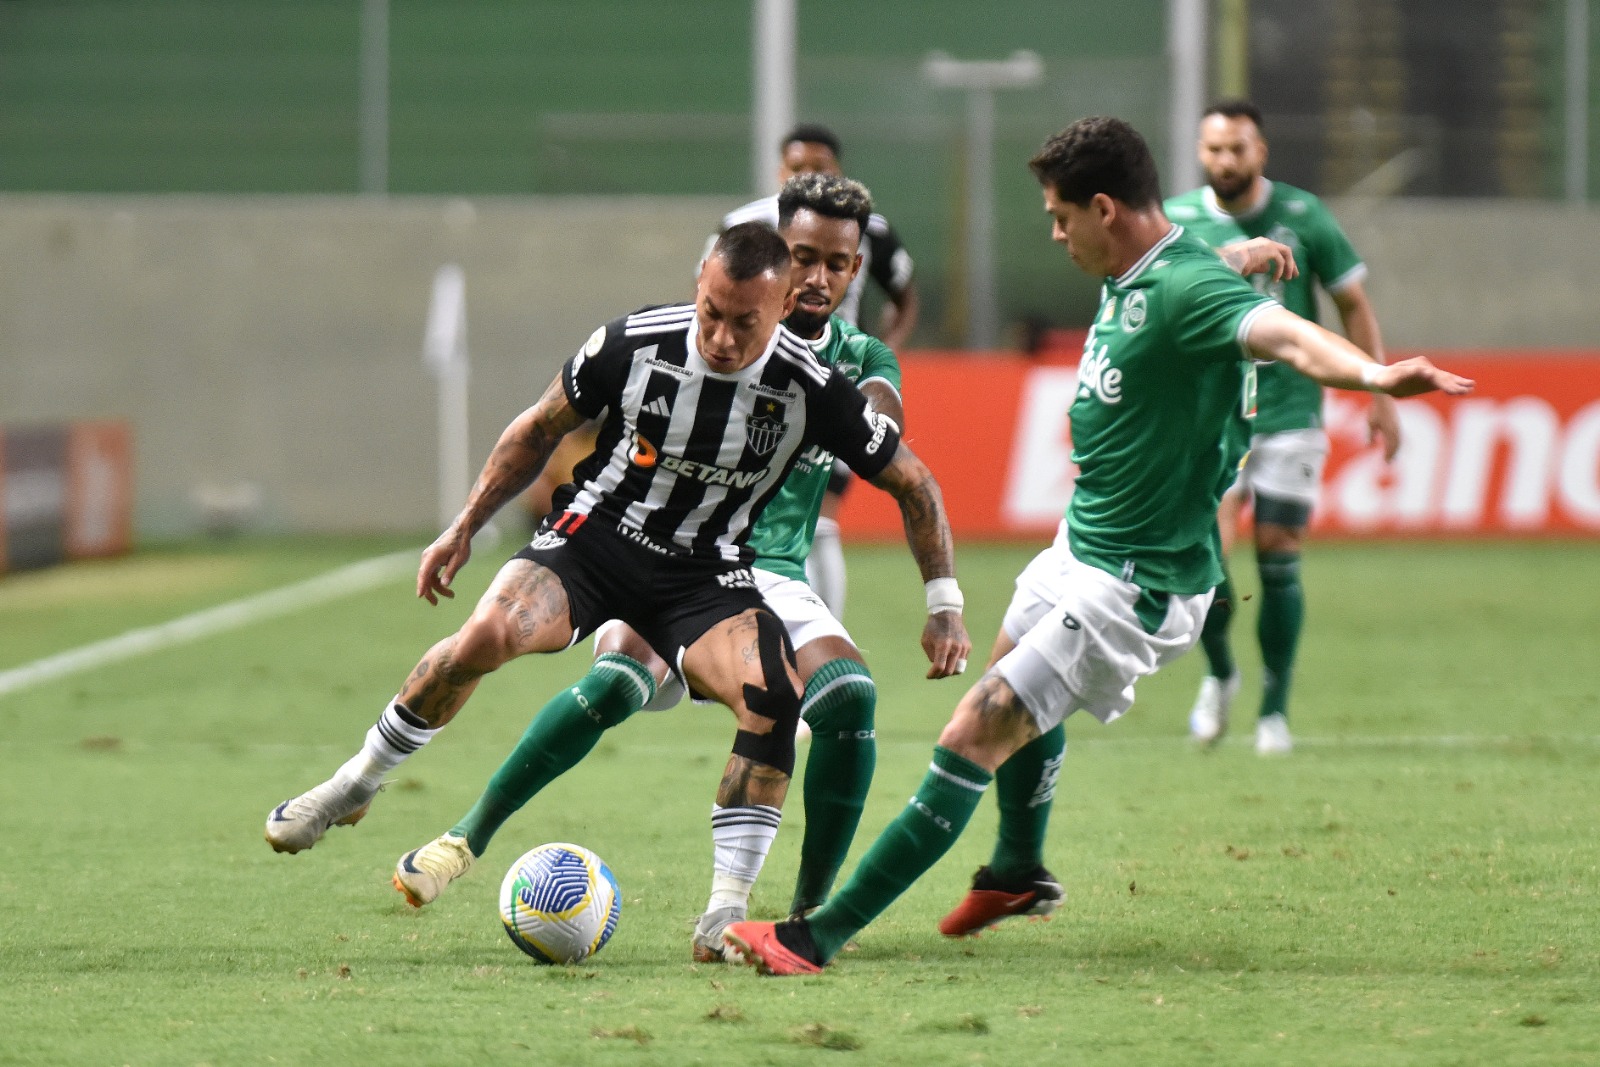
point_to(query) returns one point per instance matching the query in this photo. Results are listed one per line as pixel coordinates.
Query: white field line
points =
(335, 584)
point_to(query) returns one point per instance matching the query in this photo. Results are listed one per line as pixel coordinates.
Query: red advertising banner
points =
(1520, 457)
(66, 492)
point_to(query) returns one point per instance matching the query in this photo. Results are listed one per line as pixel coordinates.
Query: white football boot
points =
(1272, 736)
(1208, 719)
(296, 825)
(708, 944)
(423, 872)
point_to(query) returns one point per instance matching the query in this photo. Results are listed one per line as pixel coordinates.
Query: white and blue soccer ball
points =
(560, 903)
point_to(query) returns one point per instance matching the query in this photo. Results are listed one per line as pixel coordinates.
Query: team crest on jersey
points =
(1133, 311)
(766, 427)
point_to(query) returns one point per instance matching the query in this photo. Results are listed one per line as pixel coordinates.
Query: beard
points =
(1232, 188)
(807, 324)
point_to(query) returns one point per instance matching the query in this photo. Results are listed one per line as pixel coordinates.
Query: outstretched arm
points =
(1329, 359)
(520, 454)
(944, 638)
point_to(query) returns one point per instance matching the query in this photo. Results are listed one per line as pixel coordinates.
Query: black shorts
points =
(839, 478)
(670, 601)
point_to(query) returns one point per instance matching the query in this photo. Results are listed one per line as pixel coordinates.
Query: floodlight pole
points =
(772, 71)
(375, 97)
(1186, 54)
(981, 79)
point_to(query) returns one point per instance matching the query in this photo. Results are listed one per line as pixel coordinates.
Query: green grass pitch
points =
(1417, 884)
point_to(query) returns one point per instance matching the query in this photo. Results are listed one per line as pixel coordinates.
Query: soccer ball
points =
(560, 903)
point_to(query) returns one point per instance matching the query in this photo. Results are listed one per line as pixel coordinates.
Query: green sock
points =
(838, 703)
(1025, 786)
(1283, 613)
(908, 846)
(560, 735)
(1214, 634)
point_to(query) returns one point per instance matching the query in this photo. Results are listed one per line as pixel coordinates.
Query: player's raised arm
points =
(1278, 334)
(944, 637)
(521, 453)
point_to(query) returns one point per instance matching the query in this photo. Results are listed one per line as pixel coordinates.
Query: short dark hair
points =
(812, 133)
(1237, 108)
(829, 195)
(750, 249)
(1099, 155)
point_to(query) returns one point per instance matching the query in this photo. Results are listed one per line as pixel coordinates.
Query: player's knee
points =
(841, 701)
(487, 641)
(775, 699)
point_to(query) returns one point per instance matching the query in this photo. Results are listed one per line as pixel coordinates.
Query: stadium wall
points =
(267, 350)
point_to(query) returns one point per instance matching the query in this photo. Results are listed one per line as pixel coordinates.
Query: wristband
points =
(1369, 375)
(943, 595)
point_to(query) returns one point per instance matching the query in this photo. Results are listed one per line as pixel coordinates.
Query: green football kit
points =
(781, 537)
(1288, 399)
(1162, 376)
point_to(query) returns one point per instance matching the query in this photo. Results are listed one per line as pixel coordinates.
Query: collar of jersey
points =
(1208, 196)
(698, 362)
(1145, 260)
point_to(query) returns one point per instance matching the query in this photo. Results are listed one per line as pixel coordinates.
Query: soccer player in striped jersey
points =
(706, 409)
(814, 149)
(822, 218)
(1125, 586)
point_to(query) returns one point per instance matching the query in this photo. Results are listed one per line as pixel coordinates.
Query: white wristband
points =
(943, 595)
(1369, 375)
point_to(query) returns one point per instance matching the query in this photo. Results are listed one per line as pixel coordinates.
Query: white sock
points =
(740, 841)
(825, 571)
(388, 743)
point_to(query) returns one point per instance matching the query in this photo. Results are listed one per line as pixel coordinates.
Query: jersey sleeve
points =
(593, 379)
(845, 424)
(878, 361)
(1333, 258)
(890, 265)
(1211, 312)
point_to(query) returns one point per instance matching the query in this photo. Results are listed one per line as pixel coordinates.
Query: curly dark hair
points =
(1099, 155)
(829, 195)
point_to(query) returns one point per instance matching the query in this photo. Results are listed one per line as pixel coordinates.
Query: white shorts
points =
(801, 611)
(1080, 644)
(1285, 466)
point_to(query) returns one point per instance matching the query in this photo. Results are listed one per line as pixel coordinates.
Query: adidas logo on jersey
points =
(658, 407)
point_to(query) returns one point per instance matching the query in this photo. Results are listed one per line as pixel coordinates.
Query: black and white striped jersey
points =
(686, 457)
(883, 258)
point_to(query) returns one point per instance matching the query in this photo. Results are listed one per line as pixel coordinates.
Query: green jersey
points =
(1289, 400)
(1163, 371)
(781, 537)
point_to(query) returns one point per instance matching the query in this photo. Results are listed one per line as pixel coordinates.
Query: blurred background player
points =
(822, 218)
(1126, 584)
(813, 149)
(1288, 445)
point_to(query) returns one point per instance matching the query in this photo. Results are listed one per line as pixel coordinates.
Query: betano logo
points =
(644, 453)
(1486, 464)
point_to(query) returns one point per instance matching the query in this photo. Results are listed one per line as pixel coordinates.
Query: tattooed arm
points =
(909, 481)
(518, 457)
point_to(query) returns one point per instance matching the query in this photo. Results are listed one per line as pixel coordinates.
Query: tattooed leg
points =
(524, 611)
(990, 723)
